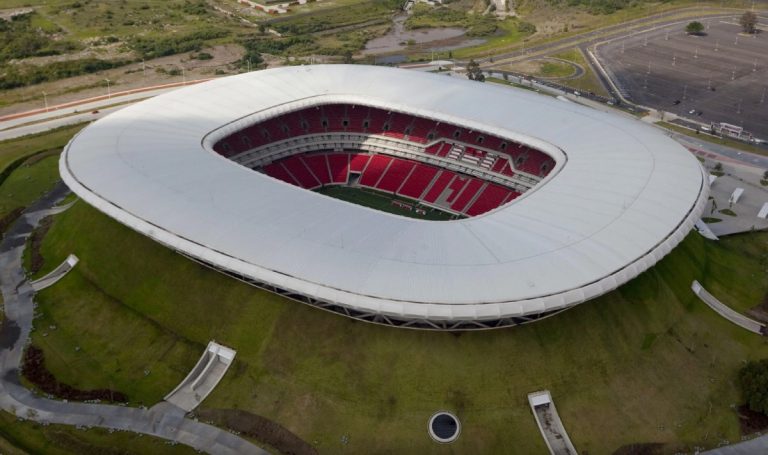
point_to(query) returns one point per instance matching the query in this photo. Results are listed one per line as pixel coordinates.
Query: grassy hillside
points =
(647, 363)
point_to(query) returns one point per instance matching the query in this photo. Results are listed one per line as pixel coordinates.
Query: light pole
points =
(183, 76)
(45, 100)
(109, 94)
(143, 69)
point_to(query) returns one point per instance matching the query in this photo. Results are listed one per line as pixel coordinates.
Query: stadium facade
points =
(554, 203)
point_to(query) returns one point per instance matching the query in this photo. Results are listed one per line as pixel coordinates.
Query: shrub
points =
(753, 379)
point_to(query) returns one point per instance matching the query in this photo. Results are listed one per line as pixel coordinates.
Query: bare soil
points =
(750, 421)
(34, 370)
(124, 78)
(37, 260)
(642, 448)
(259, 428)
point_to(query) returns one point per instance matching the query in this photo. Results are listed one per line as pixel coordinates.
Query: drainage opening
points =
(444, 427)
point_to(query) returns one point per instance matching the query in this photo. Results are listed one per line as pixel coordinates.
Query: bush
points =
(694, 28)
(526, 27)
(19, 39)
(753, 379)
(153, 47)
(203, 56)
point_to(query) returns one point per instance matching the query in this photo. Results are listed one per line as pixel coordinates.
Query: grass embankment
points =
(383, 201)
(589, 81)
(646, 363)
(714, 139)
(29, 167)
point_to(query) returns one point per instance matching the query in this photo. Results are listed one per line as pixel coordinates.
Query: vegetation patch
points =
(750, 421)
(728, 212)
(7, 220)
(163, 45)
(259, 428)
(588, 82)
(711, 220)
(324, 376)
(33, 369)
(36, 259)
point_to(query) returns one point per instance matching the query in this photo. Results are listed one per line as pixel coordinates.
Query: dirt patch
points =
(751, 421)
(760, 312)
(642, 448)
(9, 218)
(36, 259)
(34, 370)
(259, 428)
(132, 76)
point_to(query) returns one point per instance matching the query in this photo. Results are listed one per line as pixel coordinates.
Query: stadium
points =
(510, 206)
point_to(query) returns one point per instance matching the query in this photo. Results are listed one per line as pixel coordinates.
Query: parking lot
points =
(720, 76)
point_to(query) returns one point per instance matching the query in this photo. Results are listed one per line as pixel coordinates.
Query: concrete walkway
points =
(163, 420)
(726, 312)
(550, 425)
(203, 377)
(55, 275)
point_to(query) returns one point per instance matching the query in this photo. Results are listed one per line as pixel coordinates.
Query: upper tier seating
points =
(469, 147)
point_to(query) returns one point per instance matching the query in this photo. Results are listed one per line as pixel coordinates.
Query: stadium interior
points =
(437, 165)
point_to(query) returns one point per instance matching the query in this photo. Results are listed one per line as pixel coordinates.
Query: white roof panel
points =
(620, 190)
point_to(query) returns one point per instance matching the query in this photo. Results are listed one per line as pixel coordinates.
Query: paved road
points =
(163, 420)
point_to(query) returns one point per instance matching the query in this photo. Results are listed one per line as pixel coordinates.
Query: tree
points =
(694, 28)
(474, 72)
(753, 379)
(765, 175)
(348, 57)
(748, 22)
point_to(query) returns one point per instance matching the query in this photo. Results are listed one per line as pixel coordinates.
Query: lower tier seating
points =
(428, 184)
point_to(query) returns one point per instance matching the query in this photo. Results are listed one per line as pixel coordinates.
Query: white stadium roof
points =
(621, 197)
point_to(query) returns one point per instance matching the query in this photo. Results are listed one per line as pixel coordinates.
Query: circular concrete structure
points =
(444, 427)
(621, 195)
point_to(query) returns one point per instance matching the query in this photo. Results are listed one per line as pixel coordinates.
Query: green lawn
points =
(589, 81)
(27, 183)
(13, 149)
(382, 201)
(646, 363)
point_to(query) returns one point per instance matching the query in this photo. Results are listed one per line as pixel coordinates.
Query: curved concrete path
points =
(726, 311)
(55, 275)
(551, 427)
(163, 420)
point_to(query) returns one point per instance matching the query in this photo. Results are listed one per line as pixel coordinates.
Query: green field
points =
(646, 363)
(382, 201)
(29, 167)
(587, 82)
